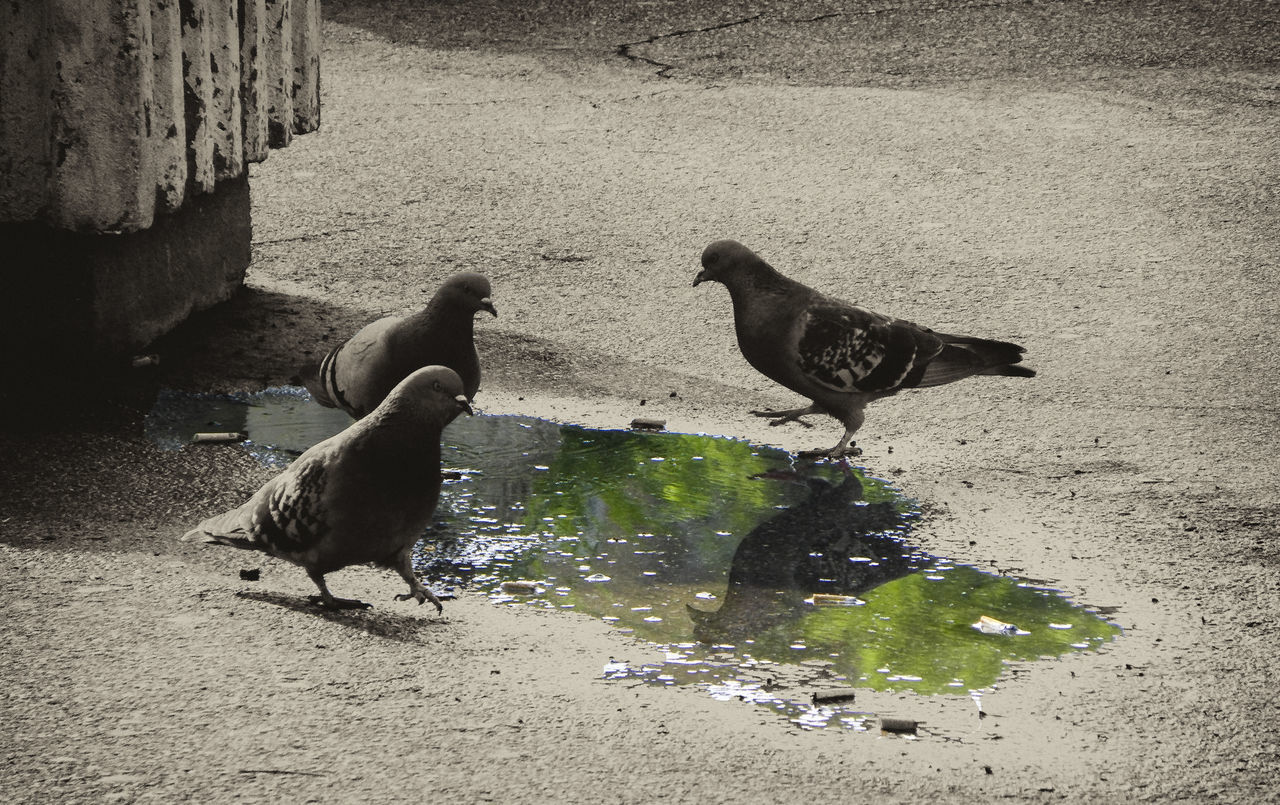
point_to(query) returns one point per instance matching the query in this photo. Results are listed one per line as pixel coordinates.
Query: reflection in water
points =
(824, 550)
(760, 578)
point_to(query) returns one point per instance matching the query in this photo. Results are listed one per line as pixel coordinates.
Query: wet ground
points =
(1092, 180)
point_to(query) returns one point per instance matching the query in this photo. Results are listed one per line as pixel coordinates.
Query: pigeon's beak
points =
(487, 304)
(464, 404)
(701, 278)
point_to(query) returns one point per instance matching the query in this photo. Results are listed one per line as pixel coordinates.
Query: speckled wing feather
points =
(293, 517)
(850, 349)
(284, 518)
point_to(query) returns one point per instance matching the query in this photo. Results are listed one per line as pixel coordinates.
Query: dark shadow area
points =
(259, 339)
(910, 43)
(79, 305)
(74, 462)
(69, 487)
(390, 625)
(566, 26)
(256, 339)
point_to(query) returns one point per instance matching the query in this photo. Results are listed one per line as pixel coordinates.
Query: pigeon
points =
(839, 355)
(364, 495)
(358, 374)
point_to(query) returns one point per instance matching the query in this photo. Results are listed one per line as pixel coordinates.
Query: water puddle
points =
(761, 578)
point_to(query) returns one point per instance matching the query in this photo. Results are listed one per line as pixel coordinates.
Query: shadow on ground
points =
(391, 625)
(256, 339)
(911, 43)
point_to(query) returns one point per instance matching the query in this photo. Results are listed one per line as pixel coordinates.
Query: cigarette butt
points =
(829, 600)
(897, 725)
(643, 423)
(989, 625)
(832, 696)
(229, 436)
(140, 361)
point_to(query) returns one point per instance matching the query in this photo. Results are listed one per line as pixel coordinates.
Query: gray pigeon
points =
(364, 495)
(839, 355)
(357, 375)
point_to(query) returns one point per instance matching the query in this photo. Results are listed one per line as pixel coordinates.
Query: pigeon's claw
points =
(787, 415)
(784, 420)
(422, 595)
(417, 590)
(838, 453)
(327, 599)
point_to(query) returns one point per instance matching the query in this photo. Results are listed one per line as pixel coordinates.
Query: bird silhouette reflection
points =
(831, 543)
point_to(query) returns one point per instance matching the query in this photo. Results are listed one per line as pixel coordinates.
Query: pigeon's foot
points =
(787, 415)
(422, 595)
(838, 453)
(417, 590)
(329, 602)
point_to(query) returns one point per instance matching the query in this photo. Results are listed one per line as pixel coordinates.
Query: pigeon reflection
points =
(832, 543)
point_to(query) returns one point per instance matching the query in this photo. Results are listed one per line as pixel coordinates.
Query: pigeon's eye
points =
(436, 385)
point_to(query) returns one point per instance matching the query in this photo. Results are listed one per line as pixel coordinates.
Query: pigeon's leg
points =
(417, 590)
(846, 447)
(789, 415)
(326, 598)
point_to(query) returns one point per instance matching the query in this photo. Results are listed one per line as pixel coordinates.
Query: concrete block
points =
(116, 110)
(79, 304)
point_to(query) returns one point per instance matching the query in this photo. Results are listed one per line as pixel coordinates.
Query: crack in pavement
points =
(664, 68)
(624, 49)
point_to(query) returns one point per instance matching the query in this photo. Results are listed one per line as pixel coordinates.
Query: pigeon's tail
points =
(964, 356)
(234, 540)
(228, 528)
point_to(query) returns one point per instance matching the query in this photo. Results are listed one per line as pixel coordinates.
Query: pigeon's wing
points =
(370, 337)
(293, 517)
(851, 349)
(356, 376)
(286, 517)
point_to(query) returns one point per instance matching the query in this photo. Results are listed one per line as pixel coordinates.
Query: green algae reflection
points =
(716, 548)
